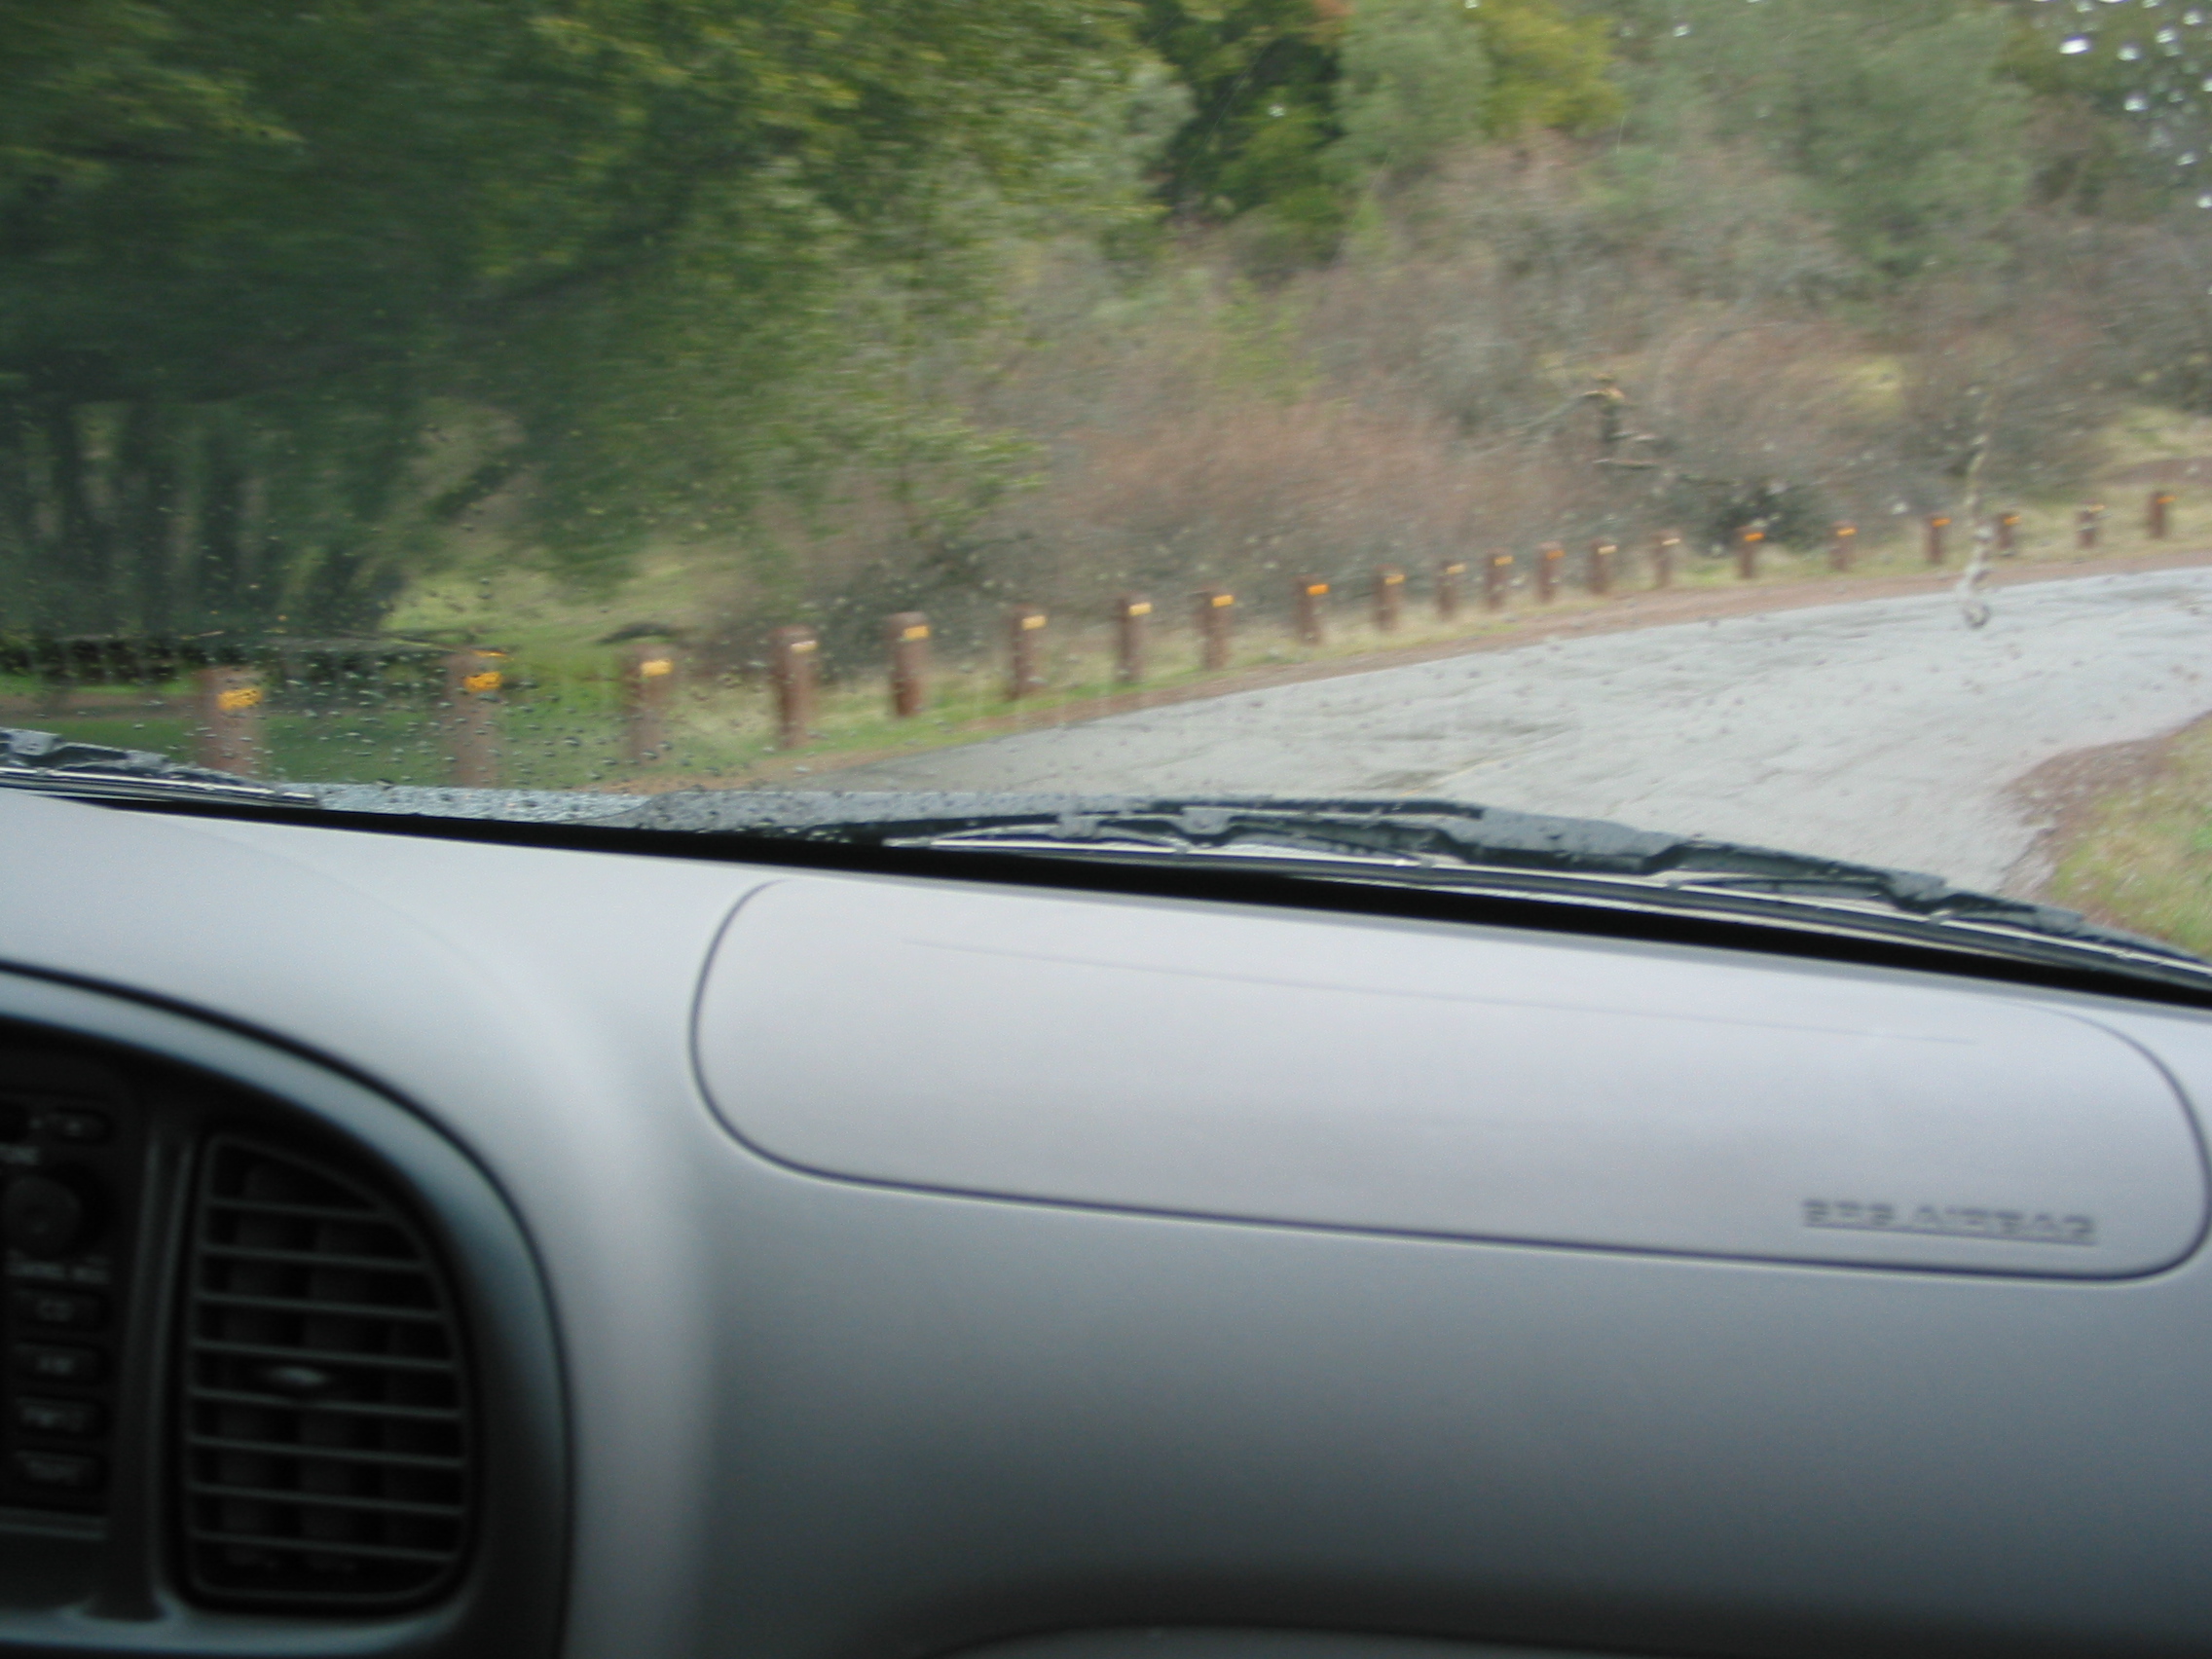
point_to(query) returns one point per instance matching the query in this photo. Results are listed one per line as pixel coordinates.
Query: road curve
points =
(1883, 730)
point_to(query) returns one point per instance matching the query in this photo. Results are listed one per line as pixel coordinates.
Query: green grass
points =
(2141, 856)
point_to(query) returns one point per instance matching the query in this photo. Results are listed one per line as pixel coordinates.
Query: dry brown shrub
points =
(1253, 494)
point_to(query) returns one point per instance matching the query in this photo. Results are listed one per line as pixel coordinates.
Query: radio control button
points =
(50, 1362)
(71, 1419)
(45, 1214)
(63, 1471)
(58, 1310)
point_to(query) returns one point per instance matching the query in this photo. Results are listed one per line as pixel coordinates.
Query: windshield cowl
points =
(1415, 843)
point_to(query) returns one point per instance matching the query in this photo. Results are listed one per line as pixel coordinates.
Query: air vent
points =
(326, 1456)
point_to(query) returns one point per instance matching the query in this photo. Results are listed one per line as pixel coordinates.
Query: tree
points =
(1415, 82)
(1894, 112)
(249, 256)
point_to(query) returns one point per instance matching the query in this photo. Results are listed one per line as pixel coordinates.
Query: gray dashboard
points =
(929, 1266)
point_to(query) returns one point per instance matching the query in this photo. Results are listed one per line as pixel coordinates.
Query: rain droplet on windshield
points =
(2073, 44)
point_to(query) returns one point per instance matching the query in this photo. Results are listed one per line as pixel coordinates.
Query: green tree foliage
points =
(1893, 112)
(1261, 74)
(2123, 94)
(1297, 100)
(1549, 69)
(1415, 82)
(249, 252)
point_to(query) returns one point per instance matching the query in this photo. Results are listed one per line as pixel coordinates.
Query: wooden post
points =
(648, 685)
(1389, 593)
(1602, 567)
(1748, 541)
(1938, 522)
(1448, 574)
(1026, 631)
(1663, 552)
(1843, 543)
(907, 634)
(2156, 516)
(1307, 594)
(2008, 534)
(1495, 575)
(1547, 572)
(2085, 525)
(794, 666)
(1215, 609)
(473, 680)
(1129, 640)
(229, 707)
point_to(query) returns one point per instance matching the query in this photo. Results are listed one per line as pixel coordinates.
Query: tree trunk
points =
(219, 565)
(83, 541)
(146, 498)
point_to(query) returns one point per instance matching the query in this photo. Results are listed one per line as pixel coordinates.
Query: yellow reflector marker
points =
(488, 681)
(1144, 609)
(1318, 588)
(1392, 579)
(1032, 622)
(916, 631)
(1222, 598)
(802, 644)
(240, 697)
(1455, 569)
(652, 668)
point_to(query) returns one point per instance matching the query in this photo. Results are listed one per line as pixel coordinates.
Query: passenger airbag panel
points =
(1306, 1071)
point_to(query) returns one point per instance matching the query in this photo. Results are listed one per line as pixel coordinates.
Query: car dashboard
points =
(422, 1245)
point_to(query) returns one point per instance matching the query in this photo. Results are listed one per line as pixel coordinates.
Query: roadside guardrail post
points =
(1216, 606)
(1748, 541)
(1547, 572)
(1663, 551)
(1602, 567)
(1937, 524)
(2008, 534)
(1389, 593)
(1843, 546)
(1497, 574)
(2086, 522)
(228, 703)
(649, 685)
(1026, 631)
(473, 680)
(907, 634)
(1306, 596)
(1448, 574)
(794, 668)
(1129, 630)
(2156, 517)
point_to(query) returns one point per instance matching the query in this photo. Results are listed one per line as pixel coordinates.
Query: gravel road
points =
(1884, 730)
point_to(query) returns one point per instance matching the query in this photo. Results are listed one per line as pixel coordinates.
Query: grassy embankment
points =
(2139, 856)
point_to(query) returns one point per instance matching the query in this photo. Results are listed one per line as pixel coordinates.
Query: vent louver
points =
(326, 1448)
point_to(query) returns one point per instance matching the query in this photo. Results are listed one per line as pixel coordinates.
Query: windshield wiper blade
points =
(1414, 842)
(46, 760)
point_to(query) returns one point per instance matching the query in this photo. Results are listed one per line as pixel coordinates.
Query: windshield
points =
(1760, 423)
